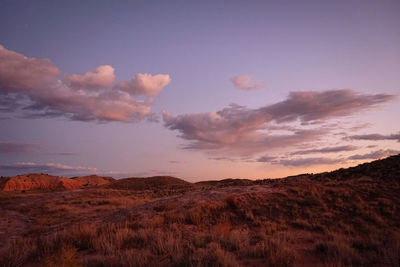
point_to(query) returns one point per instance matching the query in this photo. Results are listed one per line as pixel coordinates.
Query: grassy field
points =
(349, 217)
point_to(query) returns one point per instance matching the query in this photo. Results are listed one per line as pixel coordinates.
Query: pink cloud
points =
(145, 84)
(296, 162)
(381, 153)
(241, 130)
(35, 85)
(102, 77)
(332, 149)
(312, 106)
(243, 82)
(23, 74)
(376, 137)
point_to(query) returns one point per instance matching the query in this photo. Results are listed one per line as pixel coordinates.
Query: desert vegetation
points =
(349, 217)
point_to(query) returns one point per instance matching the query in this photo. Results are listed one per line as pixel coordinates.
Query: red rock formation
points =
(49, 182)
(37, 181)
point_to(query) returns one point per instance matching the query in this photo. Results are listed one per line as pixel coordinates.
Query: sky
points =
(197, 89)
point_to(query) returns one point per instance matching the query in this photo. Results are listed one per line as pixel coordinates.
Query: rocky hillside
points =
(93, 180)
(39, 181)
(150, 183)
(348, 217)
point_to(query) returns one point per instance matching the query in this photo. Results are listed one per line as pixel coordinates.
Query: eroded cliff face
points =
(49, 182)
(66, 183)
(37, 181)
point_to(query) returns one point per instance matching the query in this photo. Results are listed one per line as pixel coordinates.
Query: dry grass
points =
(332, 219)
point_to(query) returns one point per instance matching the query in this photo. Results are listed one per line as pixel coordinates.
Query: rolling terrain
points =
(40, 181)
(348, 217)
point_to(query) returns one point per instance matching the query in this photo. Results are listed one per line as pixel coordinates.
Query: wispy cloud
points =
(332, 149)
(65, 154)
(376, 137)
(243, 82)
(360, 126)
(308, 161)
(241, 130)
(16, 147)
(35, 85)
(315, 106)
(296, 162)
(49, 168)
(376, 154)
(69, 171)
(269, 159)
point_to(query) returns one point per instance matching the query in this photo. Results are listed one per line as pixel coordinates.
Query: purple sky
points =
(197, 89)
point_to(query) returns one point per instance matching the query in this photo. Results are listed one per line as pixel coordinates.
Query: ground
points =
(349, 217)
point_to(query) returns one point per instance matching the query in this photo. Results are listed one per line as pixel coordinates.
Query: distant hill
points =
(384, 169)
(226, 182)
(93, 180)
(37, 181)
(150, 183)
